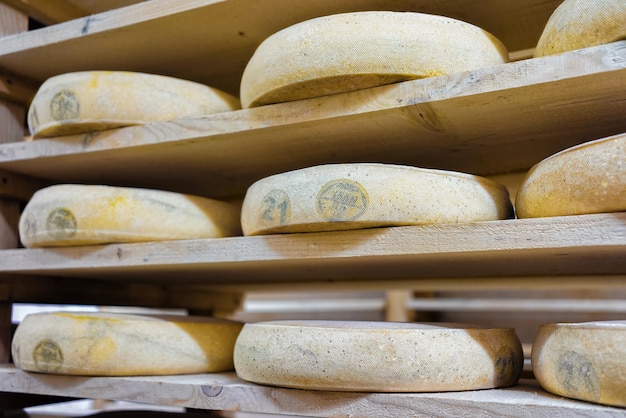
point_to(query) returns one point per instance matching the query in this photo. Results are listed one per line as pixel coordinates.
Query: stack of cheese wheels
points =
(579, 24)
(352, 51)
(91, 101)
(364, 195)
(588, 178)
(116, 344)
(377, 356)
(585, 361)
(74, 214)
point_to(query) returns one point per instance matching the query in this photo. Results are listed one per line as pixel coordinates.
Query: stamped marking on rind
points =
(508, 366)
(342, 200)
(577, 376)
(48, 356)
(30, 226)
(64, 105)
(276, 208)
(61, 223)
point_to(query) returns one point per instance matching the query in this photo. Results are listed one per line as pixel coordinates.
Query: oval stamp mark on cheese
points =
(341, 200)
(276, 208)
(578, 376)
(61, 223)
(48, 356)
(64, 105)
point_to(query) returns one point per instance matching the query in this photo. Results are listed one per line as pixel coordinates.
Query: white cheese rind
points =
(71, 214)
(114, 344)
(351, 51)
(585, 361)
(90, 101)
(377, 356)
(579, 24)
(364, 195)
(588, 178)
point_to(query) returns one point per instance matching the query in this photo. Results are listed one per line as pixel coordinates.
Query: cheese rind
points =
(579, 24)
(364, 195)
(89, 101)
(72, 214)
(585, 361)
(115, 344)
(588, 178)
(377, 356)
(351, 51)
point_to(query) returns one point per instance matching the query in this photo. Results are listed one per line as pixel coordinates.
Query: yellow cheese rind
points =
(71, 214)
(377, 356)
(585, 361)
(91, 101)
(115, 344)
(351, 51)
(363, 195)
(588, 178)
(579, 24)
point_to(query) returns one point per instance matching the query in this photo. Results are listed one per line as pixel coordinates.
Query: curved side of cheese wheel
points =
(352, 51)
(588, 178)
(579, 24)
(585, 361)
(362, 195)
(91, 101)
(377, 356)
(84, 214)
(112, 344)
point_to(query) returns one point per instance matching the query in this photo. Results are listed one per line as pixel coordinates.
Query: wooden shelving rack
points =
(495, 122)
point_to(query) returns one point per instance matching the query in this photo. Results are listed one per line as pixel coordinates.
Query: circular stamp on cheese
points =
(117, 344)
(585, 361)
(377, 356)
(336, 197)
(352, 51)
(584, 179)
(73, 214)
(577, 24)
(90, 101)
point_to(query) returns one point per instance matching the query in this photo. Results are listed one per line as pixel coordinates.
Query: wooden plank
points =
(162, 36)
(488, 121)
(11, 20)
(227, 392)
(17, 89)
(48, 12)
(614, 306)
(577, 245)
(15, 186)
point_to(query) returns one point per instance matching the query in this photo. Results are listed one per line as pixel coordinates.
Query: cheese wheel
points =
(377, 356)
(588, 178)
(579, 24)
(91, 101)
(585, 361)
(351, 51)
(71, 214)
(115, 344)
(364, 195)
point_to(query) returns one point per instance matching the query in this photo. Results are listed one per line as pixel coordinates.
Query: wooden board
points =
(227, 392)
(492, 120)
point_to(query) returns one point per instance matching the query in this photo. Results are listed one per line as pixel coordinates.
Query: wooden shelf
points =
(226, 391)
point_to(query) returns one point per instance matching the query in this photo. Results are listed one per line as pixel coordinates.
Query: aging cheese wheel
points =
(363, 195)
(377, 356)
(585, 361)
(588, 178)
(352, 51)
(115, 344)
(91, 101)
(579, 24)
(71, 214)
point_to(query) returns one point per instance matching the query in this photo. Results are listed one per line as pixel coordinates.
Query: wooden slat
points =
(519, 305)
(15, 186)
(227, 392)
(17, 89)
(11, 20)
(487, 121)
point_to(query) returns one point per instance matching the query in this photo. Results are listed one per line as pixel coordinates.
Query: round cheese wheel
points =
(579, 24)
(377, 356)
(585, 361)
(364, 195)
(115, 344)
(91, 101)
(588, 178)
(352, 51)
(71, 214)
